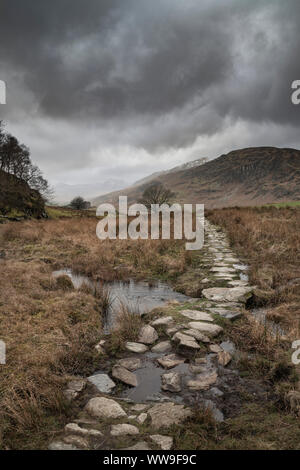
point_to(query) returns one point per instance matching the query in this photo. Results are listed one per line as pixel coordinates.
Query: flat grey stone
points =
(229, 294)
(210, 329)
(130, 363)
(124, 375)
(162, 321)
(164, 442)
(162, 347)
(136, 347)
(73, 428)
(77, 385)
(216, 413)
(164, 415)
(142, 445)
(170, 361)
(197, 335)
(228, 346)
(59, 445)
(186, 340)
(103, 382)
(203, 381)
(196, 315)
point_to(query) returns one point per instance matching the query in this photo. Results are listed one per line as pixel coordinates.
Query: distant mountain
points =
(64, 193)
(250, 176)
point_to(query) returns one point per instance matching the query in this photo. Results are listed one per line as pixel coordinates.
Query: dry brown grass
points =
(268, 239)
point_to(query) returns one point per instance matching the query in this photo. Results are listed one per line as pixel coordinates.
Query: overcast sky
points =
(103, 89)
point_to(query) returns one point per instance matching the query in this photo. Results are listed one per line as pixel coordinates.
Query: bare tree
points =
(156, 193)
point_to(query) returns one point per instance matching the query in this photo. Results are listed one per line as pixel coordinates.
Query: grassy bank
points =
(268, 239)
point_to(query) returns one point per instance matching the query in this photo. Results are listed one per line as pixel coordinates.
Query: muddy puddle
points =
(139, 296)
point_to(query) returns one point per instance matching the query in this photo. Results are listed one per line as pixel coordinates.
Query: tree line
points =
(15, 160)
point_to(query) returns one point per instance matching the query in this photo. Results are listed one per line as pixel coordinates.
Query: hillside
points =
(18, 199)
(245, 177)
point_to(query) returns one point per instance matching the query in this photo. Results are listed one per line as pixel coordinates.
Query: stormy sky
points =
(102, 89)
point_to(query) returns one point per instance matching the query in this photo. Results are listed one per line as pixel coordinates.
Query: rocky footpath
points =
(181, 360)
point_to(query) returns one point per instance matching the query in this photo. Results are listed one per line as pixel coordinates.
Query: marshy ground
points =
(51, 328)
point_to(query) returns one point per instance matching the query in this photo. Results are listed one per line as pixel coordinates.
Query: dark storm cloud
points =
(156, 75)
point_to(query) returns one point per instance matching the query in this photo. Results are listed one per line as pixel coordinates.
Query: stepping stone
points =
(142, 445)
(186, 341)
(229, 294)
(124, 376)
(197, 335)
(173, 329)
(162, 347)
(196, 315)
(210, 329)
(142, 418)
(164, 415)
(124, 430)
(77, 385)
(203, 381)
(224, 358)
(171, 382)
(162, 321)
(101, 407)
(136, 347)
(222, 269)
(103, 382)
(130, 363)
(73, 428)
(148, 335)
(170, 361)
(164, 442)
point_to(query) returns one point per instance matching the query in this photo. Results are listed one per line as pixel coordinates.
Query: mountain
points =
(64, 193)
(251, 176)
(17, 199)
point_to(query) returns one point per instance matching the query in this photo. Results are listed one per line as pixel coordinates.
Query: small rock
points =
(148, 335)
(164, 415)
(162, 321)
(139, 407)
(136, 347)
(101, 407)
(124, 376)
(142, 418)
(103, 382)
(210, 329)
(170, 361)
(77, 441)
(124, 430)
(171, 382)
(164, 442)
(130, 363)
(186, 341)
(162, 347)
(59, 445)
(172, 329)
(142, 445)
(215, 348)
(216, 392)
(224, 358)
(196, 315)
(73, 428)
(216, 413)
(70, 394)
(200, 360)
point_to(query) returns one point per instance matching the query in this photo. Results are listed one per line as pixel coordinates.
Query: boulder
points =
(148, 335)
(196, 315)
(101, 407)
(186, 340)
(124, 430)
(124, 375)
(171, 382)
(103, 382)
